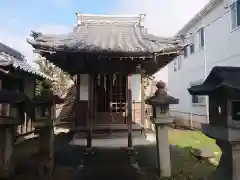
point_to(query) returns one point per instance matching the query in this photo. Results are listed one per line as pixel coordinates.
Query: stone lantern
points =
(160, 105)
(12, 108)
(44, 116)
(44, 106)
(43, 111)
(223, 90)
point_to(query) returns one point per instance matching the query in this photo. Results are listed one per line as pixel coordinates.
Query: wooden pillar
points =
(142, 101)
(129, 110)
(134, 111)
(78, 83)
(110, 97)
(90, 110)
(94, 97)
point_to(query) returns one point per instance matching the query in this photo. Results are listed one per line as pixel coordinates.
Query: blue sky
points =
(18, 17)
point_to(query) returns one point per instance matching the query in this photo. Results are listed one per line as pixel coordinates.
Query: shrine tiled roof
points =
(107, 34)
(10, 57)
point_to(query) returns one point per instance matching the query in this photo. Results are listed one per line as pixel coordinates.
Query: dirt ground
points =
(106, 163)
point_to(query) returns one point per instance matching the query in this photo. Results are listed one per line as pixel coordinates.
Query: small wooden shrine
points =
(109, 55)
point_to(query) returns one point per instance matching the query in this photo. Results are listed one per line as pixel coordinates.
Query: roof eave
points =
(156, 65)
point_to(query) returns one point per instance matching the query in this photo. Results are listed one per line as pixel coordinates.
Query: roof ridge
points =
(95, 18)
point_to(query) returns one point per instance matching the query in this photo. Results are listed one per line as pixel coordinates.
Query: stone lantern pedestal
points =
(228, 139)
(161, 118)
(6, 151)
(163, 152)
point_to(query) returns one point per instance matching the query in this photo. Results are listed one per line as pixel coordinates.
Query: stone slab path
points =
(109, 164)
(110, 159)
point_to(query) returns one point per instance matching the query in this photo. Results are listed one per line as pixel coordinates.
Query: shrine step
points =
(111, 142)
(109, 127)
(109, 135)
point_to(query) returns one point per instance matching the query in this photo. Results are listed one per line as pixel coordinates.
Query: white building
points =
(213, 38)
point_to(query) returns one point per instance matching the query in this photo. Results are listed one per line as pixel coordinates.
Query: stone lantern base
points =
(6, 151)
(46, 148)
(228, 139)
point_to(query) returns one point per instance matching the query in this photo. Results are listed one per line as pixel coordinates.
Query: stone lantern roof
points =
(13, 97)
(220, 77)
(47, 97)
(161, 96)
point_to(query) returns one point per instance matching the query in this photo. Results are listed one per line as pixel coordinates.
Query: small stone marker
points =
(202, 153)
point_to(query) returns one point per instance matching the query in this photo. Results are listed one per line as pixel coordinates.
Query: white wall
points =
(221, 49)
(84, 79)
(136, 88)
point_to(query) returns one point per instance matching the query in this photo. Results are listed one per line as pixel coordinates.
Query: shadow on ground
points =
(107, 163)
(67, 158)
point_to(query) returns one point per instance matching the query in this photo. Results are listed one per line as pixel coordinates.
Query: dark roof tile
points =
(106, 37)
(11, 57)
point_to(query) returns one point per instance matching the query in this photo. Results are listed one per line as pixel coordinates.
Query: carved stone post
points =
(160, 104)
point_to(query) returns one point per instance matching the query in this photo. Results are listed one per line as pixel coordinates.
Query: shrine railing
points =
(148, 113)
(189, 119)
(181, 119)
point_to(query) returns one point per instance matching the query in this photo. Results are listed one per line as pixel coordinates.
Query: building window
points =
(198, 100)
(185, 51)
(235, 14)
(201, 37)
(179, 62)
(192, 48)
(175, 65)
